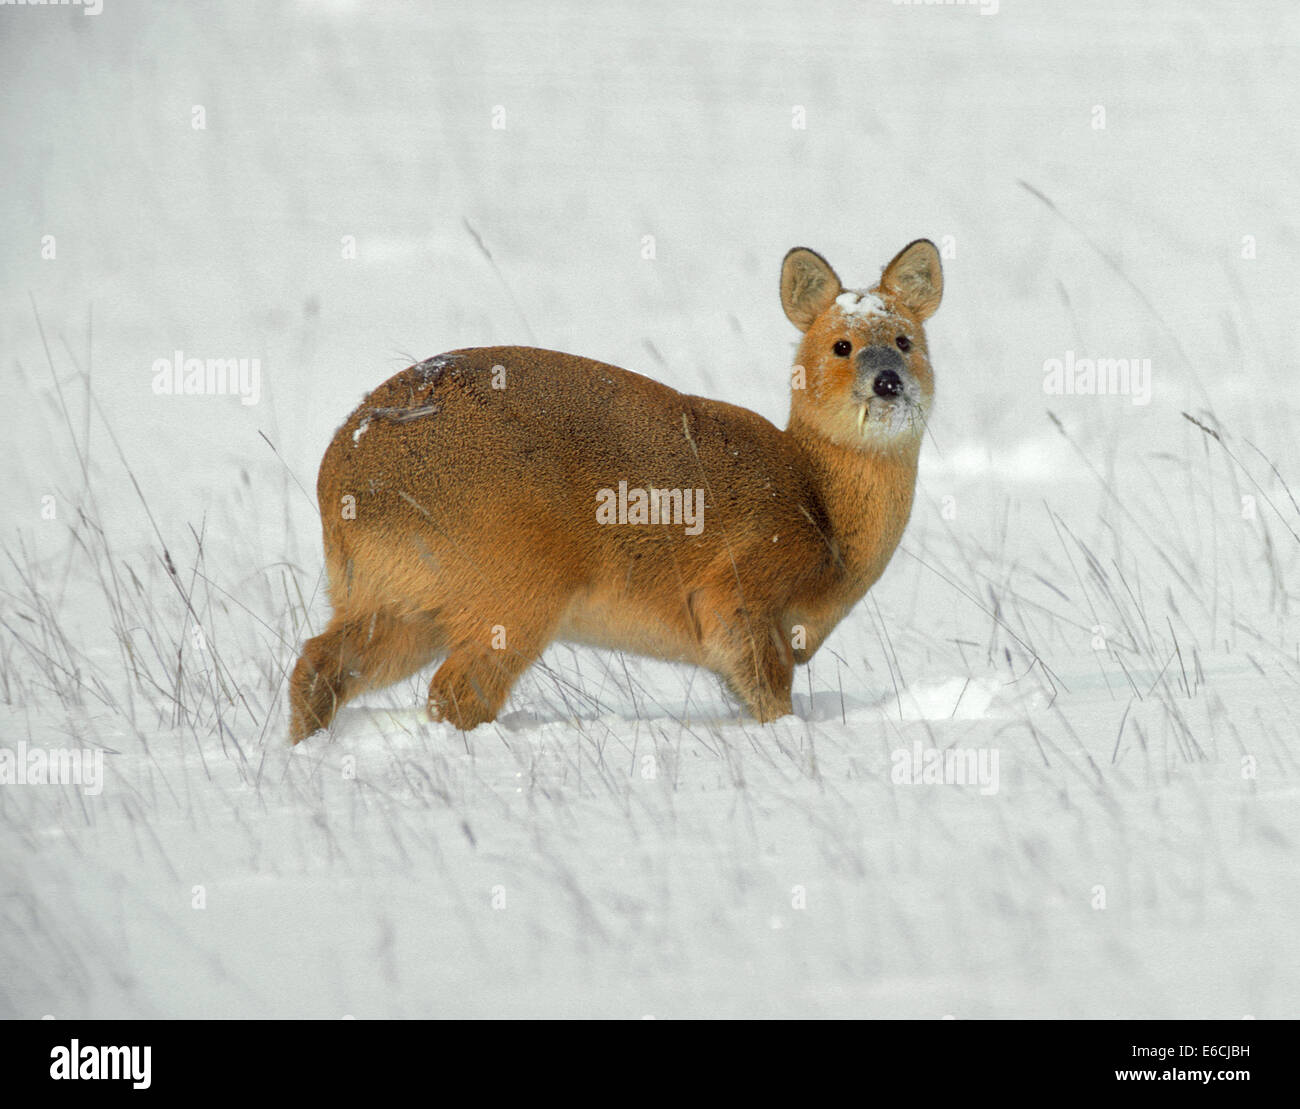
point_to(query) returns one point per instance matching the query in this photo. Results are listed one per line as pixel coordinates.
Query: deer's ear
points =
(915, 277)
(808, 286)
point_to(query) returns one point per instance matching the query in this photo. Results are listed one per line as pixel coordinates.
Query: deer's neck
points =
(867, 495)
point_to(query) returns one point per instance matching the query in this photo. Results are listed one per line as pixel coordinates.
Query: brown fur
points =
(474, 534)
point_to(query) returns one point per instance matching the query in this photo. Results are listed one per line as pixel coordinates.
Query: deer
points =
(487, 502)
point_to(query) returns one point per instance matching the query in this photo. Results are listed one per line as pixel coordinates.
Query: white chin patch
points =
(884, 419)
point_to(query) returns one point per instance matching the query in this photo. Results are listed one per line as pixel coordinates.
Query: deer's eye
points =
(903, 343)
(842, 347)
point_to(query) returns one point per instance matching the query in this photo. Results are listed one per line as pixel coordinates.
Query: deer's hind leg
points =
(352, 654)
(487, 654)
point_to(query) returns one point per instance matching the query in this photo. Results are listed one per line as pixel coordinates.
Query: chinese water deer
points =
(486, 502)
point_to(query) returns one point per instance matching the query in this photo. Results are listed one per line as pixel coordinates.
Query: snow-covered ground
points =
(1095, 599)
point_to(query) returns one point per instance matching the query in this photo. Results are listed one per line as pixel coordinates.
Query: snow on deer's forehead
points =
(861, 304)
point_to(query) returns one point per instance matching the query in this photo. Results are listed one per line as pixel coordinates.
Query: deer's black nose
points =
(880, 372)
(887, 384)
(880, 369)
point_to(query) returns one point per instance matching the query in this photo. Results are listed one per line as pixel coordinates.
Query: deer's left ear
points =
(915, 277)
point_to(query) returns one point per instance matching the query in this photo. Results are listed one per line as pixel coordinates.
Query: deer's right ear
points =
(808, 286)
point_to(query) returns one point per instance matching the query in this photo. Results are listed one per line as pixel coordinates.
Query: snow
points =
(1101, 593)
(861, 304)
(953, 699)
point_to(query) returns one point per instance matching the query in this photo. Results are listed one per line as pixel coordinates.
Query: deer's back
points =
(507, 453)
